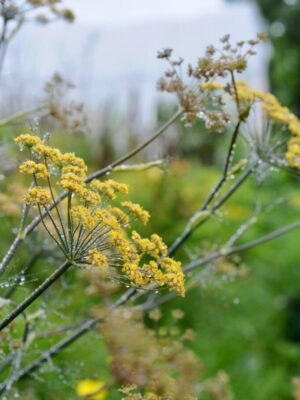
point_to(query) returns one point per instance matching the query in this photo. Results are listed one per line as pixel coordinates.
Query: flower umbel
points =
(91, 229)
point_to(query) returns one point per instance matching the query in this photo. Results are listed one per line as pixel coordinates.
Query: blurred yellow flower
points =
(92, 389)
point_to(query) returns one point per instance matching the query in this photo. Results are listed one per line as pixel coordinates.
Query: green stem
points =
(20, 115)
(34, 295)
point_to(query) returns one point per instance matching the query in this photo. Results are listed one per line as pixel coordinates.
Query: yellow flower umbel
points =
(91, 229)
(274, 112)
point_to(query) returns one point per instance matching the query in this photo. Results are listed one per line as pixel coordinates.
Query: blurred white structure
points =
(110, 50)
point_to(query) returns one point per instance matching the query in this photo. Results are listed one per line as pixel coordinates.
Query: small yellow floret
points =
(97, 258)
(212, 86)
(174, 275)
(245, 92)
(70, 159)
(137, 211)
(152, 270)
(134, 275)
(104, 217)
(72, 182)
(49, 153)
(122, 218)
(82, 215)
(37, 196)
(88, 196)
(27, 140)
(109, 188)
(293, 152)
(74, 169)
(33, 168)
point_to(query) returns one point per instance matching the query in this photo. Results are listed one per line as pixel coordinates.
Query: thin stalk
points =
(60, 216)
(139, 167)
(27, 268)
(139, 148)
(190, 229)
(226, 167)
(80, 233)
(232, 189)
(34, 295)
(62, 245)
(238, 106)
(25, 211)
(238, 249)
(10, 253)
(70, 221)
(63, 242)
(88, 240)
(20, 115)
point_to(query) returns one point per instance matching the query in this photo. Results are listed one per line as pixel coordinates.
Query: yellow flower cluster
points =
(49, 153)
(134, 274)
(72, 182)
(33, 168)
(27, 140)
(271, 106)
(82, 215)
(169, 274)
(109, 188)
(97, 231)
(137, 211)
(121, 217)
(153, 271)
(97, 258)
(213, 85)
(105, 217)
(154, 246)
(89, 197)
(37, 196)
(293, 152)
(68, 159)
(279, 115)
(245, 92)
(163, 271)
(73, 173)
(174, 275)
